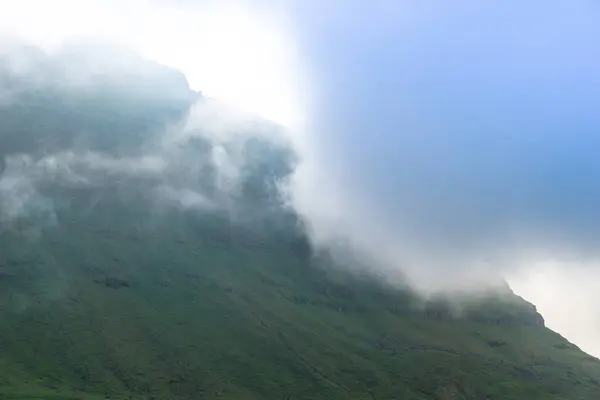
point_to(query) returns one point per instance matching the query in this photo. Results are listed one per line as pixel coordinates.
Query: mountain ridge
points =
(138, 265)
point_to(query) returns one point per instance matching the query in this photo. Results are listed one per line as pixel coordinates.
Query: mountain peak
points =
(140, 257)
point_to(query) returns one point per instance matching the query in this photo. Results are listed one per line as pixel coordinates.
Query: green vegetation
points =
(180, 309)
(104, 293)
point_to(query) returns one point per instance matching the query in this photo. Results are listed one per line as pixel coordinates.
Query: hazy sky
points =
(454, 140)
(237, 50)
(463, 141)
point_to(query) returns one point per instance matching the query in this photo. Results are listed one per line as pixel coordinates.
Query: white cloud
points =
(228, 49)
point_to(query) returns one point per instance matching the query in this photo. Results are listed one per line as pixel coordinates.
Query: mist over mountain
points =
(92, 117)
(150, 248)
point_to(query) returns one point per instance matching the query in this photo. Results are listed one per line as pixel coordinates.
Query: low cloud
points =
(452, 157)
(180, 148)
(459, 145)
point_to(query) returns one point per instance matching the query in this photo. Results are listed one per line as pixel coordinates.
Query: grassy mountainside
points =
(107, 292)
(97, 306)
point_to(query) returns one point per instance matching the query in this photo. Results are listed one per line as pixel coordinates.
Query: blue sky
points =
(461, 125)
(463, 138)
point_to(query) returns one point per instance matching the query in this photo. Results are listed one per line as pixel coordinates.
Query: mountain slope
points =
(125, 278)
(174, 309)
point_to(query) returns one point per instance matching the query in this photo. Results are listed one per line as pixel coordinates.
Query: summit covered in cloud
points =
(450, 146)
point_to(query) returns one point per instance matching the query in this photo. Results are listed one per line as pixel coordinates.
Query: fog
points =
(454, 144)
(458, 143)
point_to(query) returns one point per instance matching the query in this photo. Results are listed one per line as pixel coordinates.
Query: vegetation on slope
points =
(184, 309)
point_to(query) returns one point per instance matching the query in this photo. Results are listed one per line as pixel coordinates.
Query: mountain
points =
(146, 254)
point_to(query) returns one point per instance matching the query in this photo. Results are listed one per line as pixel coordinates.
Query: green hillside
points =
(106, 292)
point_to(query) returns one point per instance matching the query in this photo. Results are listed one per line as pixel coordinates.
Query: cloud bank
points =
(450, 144)
(455, 142)
(131, 126)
